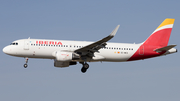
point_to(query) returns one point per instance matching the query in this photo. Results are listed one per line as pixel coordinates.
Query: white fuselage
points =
(41, 48)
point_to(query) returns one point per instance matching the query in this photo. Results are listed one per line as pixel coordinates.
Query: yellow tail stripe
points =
(166, 22)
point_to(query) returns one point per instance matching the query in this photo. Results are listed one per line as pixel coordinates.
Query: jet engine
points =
(64, 59)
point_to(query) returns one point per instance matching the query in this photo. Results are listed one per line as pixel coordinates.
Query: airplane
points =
(66, 53)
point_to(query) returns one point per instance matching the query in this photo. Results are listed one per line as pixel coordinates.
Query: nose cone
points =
(5, 50)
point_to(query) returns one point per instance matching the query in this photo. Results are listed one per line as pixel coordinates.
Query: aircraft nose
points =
(5, 50)
(9, 50)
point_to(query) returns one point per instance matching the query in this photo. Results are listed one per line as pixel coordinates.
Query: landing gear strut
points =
(85, 67)
(25, 65)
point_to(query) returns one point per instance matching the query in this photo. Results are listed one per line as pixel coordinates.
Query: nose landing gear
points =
(25, 65)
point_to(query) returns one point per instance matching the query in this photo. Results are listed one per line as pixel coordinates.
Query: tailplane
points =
(160, 37)
(166, 48)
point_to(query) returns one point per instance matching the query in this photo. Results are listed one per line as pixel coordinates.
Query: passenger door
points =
(26, 44)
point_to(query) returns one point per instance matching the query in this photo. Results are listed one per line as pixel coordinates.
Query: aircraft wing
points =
(94, 47)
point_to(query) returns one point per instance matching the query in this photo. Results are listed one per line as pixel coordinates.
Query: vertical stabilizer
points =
(161, 35)
(157, 42)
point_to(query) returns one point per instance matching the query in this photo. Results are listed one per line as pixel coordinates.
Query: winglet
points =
(113, 33)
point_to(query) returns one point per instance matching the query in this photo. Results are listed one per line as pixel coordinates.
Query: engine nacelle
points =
(63, 64)
(65, 56)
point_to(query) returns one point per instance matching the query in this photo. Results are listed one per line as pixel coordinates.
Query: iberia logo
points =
(49, 42)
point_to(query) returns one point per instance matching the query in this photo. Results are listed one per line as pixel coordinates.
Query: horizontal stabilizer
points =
(164, 48)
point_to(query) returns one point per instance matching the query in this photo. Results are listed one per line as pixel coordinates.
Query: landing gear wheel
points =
(25, 65)
(86, 66)
(83, 70)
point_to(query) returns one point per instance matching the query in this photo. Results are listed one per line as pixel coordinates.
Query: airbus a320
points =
(66, 53)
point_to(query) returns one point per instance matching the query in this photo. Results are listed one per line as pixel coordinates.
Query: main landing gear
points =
(85, 67)
(25, 65)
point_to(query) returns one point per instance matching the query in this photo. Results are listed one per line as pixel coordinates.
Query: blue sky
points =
(154, 79)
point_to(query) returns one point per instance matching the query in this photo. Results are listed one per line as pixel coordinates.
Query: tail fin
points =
(160, 36)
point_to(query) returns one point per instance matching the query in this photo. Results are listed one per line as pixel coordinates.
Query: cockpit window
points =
(14, 43)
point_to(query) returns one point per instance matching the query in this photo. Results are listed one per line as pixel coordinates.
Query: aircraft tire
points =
(86, 66)
(25, 65)
(83, 70)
